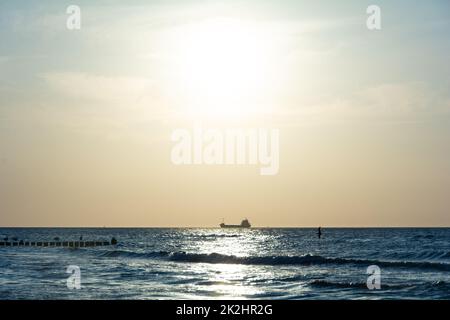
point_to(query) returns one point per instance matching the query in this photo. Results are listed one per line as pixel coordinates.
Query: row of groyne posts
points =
(57, 243)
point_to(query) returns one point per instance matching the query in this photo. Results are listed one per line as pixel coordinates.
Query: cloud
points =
(98, 88)
(403, 98)
(398, 102)
(111, 107)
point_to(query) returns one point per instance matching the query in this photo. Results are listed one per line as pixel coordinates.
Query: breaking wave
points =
(305, 260)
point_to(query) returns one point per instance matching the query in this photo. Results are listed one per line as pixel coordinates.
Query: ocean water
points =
(230, 264)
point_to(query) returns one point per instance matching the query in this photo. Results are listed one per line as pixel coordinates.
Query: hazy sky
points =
(86, 115)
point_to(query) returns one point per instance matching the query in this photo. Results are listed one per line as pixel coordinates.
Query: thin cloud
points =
(398, 102)
(92, 87)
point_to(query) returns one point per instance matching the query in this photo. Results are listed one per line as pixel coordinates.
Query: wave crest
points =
(304, 260)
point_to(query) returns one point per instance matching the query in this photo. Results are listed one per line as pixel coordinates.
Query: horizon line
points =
(218, 227)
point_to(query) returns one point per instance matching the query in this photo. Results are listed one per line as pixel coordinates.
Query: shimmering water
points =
(230, 264)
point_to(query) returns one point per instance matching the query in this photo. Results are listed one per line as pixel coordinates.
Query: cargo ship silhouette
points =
(244, 224)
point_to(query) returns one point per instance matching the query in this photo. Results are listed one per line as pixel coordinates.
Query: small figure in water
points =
(319, 232)
(113, 241)
(81, 238)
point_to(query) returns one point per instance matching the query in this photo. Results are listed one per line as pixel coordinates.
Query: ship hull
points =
(244, 225)
(233, 226)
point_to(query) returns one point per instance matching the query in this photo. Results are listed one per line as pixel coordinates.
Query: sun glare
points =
(224, 67)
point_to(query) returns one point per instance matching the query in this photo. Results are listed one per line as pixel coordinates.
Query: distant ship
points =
(244, 224)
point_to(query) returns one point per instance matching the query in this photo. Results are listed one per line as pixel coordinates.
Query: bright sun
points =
(224, 67)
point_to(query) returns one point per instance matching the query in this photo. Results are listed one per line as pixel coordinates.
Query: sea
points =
(214, 263)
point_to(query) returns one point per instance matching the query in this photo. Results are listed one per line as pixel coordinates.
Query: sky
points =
(86, 115)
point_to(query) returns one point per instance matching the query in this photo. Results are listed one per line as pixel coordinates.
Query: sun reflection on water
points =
(230, 280)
